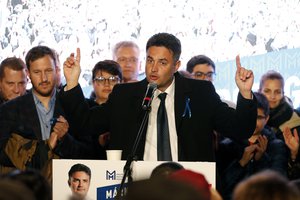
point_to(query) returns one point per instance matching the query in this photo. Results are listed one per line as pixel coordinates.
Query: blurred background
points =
(264, 33)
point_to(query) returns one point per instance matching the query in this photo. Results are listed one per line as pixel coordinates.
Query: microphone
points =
(146, 105)
(149, 95)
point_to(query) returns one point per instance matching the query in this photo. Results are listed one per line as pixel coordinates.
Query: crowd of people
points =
(188, 121)
(26, 23)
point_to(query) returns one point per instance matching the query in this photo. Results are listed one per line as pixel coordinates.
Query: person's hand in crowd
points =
(61, 127)
(52, 141)
(214, 194)
(244, 79)
(248, 154)
(72, 69)
(261, 147)
(103, 139)
(292, 141)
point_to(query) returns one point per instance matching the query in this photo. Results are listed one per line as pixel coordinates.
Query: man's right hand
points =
(61, 127)
(248, 155)
(72, 69)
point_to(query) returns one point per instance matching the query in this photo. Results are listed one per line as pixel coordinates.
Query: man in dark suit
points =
(32, 127)
(193, 107)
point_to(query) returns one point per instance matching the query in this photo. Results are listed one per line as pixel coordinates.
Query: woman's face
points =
(103, 88)
(272, 89)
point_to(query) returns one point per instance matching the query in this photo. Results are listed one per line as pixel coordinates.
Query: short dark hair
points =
(34, 180)
(199, 59)
(109, 66)
(37, 53)
(265, 185)
(271, 75)
(80, 168)
(262, 102)
(168, 41)
(14, 190)
(16, 64)
(165, 169)
(162, 188)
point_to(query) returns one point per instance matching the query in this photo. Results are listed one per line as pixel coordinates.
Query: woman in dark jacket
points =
(282, 116)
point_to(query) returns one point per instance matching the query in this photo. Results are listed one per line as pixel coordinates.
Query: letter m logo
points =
(110, 175)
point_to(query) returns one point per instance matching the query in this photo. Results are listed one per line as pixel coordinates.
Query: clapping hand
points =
(261, 147)
(248, 154)
(60, 129)
(292, 141)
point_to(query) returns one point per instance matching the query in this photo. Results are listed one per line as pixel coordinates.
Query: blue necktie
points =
(163, 138)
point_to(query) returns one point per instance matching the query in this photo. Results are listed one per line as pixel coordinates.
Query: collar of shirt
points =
(170, 91)
(51, 102)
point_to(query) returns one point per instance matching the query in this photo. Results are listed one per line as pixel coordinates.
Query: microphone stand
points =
(132, 156)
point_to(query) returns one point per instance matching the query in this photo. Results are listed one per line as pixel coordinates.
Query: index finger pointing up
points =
(78, 56)
(238, 61)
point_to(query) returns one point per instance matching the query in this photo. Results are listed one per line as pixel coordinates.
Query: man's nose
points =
(16, 89)
(79, 183)
(154, 67)
(44, 77)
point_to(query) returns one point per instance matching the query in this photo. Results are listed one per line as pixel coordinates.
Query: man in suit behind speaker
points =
(33, 130)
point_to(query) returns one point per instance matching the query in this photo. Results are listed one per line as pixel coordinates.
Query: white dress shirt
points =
(150, 153)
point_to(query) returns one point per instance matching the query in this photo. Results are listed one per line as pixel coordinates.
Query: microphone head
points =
(148, 96)
(152, 86)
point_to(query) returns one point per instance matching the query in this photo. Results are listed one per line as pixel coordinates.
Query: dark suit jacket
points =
(20, 116)
(122, 116)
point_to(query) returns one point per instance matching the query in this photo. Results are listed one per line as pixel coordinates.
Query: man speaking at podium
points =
(183, 115)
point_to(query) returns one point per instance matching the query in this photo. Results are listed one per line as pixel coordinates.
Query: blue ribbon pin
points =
(187, 109)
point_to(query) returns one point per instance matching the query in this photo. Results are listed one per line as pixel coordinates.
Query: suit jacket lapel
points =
(58, 110)
(32, 116)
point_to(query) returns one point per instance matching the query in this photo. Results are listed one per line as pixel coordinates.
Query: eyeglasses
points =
(130, 60)
(113, 80)
(201, 75)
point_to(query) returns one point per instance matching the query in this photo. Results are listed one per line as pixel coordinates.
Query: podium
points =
(106, 175)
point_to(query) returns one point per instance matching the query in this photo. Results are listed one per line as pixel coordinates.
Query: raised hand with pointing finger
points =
(72, 69)
(244, 79)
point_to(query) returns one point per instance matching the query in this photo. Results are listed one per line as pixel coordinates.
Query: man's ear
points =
(177, 65)
(69, 183)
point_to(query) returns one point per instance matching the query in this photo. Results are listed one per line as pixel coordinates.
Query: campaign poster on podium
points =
(106, 176)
